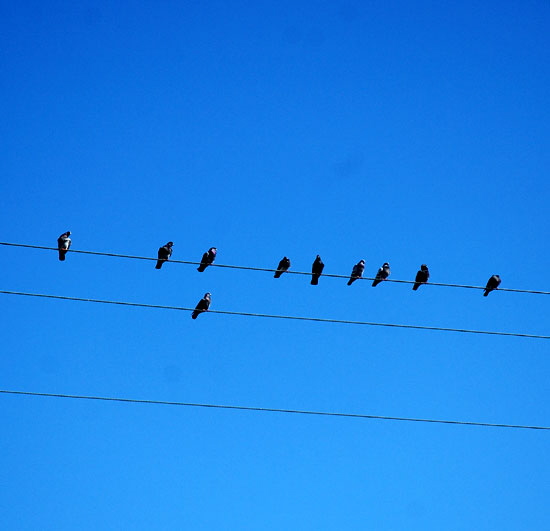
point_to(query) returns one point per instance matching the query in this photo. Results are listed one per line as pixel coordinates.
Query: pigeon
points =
(316, 270)
(382, 274)
(422, 276)
(283, 266)
(207, 258)
(63, 244)
(202, 306)
(356, 272)
(165, 252)
(492, 283)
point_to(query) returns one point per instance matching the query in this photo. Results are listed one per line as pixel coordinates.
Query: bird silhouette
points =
(283, 266)
(492, 283)
(316, 270)
(164, 253)
(207, 258)
(63, 244)
(356, 272)
(422, 276)
(382, 274)
(202, 305)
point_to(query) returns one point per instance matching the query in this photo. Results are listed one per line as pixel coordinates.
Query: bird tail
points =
(194, 315)
(350, 281)
(62, 254)
(201, 268)
(375, 283)
(314, 280)
(486, 292)
(416, 286)
(277, 274)
(159, 264)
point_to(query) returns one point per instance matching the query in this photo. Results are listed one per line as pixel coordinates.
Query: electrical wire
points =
(274, 410)
(269, 270)
(291, 317)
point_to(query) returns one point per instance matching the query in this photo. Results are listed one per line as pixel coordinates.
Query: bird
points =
(356, 272)
(207, 258)
(382, 274)
(202, 306)
(316, 270)
(165, 252)
(283, 266)
(492, 283)
(422, 276)
(63, 244)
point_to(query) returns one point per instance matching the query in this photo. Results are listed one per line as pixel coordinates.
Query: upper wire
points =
(270, 270)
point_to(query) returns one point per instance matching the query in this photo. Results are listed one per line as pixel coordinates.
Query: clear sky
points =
(399, 131)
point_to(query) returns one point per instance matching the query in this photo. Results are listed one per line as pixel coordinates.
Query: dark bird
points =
(422, 276)
(492, 283)
(356, 272)
(382, 274)
(207, 258)
(283, 266)
(202, 306)
(63, 244)
(165, 252)
(316, 270)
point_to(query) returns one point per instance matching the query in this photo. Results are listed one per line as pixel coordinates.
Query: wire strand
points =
(271, 316)
(269, 270)
(274, 410)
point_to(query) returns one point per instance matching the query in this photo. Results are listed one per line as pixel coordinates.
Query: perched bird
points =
(283, 266)
(492, 283)
(63, 244)
(316, 270)
(356, 272)
(422, 276)
(202, 306)
(165, 252)
(382, 274)
(207, 258)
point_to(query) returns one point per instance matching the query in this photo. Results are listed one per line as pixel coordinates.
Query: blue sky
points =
(407, 132)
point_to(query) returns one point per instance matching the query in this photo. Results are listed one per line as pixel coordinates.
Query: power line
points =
(274, 410)
(269, 270)
(291, 317)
